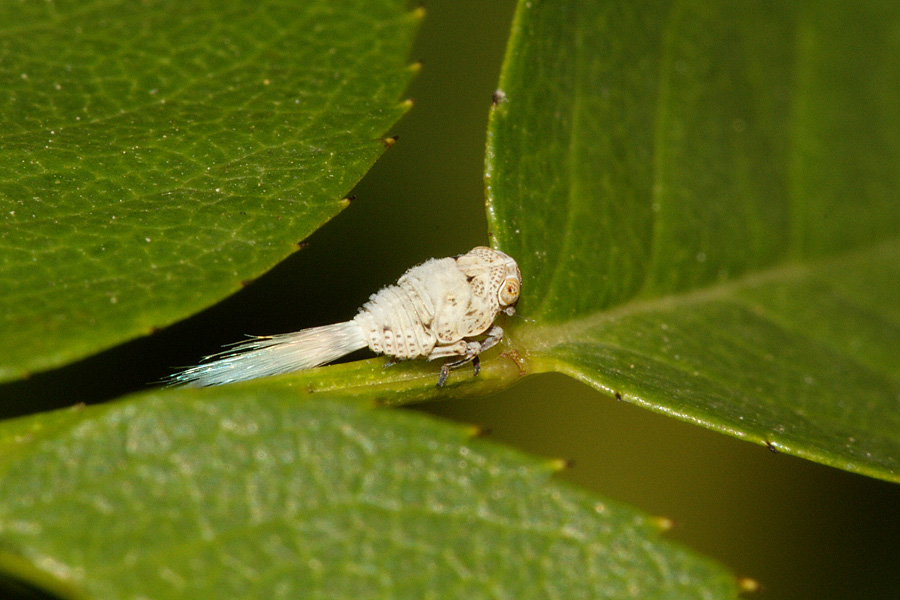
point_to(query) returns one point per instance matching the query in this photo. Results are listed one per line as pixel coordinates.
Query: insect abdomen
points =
(392, 321)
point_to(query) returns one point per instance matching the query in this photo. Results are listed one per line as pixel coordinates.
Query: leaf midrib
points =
(542, 338)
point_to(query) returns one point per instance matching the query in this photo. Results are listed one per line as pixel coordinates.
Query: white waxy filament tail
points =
(273, 355)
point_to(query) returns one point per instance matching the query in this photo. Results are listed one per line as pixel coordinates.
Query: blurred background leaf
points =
(251, 491)
(661, 175)
(156, 155)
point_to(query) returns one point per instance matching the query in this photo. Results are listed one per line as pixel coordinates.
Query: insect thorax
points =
(437, 303)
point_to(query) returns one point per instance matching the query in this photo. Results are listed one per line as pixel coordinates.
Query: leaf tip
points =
(474, 431)
(560, 464)
(748, 585)
(663, 523)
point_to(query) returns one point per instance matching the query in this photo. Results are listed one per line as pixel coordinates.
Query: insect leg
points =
(460, 348)
(494, 335)
(445, 372)
(470, 355)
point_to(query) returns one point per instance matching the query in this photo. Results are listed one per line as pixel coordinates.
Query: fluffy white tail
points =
(272, 355)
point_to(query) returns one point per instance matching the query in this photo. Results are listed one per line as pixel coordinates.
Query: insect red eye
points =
(509, 293)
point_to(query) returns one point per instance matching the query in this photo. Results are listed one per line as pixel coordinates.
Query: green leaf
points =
(156, 155)
(252, 491)
(703, 199)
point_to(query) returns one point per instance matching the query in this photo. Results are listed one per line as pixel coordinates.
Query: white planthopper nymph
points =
(435, 310)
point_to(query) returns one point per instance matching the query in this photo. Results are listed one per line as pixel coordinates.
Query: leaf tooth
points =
(662, 523)
(748, 585)
(474, 431)
(418, 13)
(558, 464)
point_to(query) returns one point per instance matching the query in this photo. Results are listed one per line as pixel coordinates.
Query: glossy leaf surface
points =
(156, 155)
(703, 199)
(254, 490)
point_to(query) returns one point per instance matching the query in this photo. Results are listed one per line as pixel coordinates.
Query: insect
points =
(437, 309)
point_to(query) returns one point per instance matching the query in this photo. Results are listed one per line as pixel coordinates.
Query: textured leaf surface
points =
(703, 199)
(251, 491)
(157, 154)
